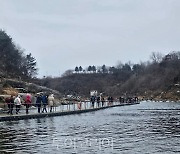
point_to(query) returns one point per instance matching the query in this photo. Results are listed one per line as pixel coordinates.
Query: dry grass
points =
(10, 91)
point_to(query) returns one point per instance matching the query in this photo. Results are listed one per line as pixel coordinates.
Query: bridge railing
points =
(58, 107)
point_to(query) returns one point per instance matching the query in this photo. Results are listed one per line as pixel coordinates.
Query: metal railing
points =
(58, 107)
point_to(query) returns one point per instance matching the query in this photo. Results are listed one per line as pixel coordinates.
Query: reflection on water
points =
(126, 129)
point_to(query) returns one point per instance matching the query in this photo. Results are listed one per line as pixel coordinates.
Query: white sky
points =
(62, 34)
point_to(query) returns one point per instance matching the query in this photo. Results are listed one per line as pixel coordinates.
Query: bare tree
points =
(156, 57)
(119, 65)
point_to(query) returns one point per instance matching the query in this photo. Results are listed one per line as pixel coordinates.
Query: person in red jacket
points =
(27, 103)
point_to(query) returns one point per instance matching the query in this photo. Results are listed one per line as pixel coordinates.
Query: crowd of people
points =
(128, 99)
(41, 102)
(101, 100)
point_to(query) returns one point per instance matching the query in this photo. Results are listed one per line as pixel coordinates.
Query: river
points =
(146, 128)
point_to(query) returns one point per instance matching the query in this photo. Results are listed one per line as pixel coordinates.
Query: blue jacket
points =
(44, 100)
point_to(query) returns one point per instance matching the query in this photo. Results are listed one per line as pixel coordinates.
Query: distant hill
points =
(159, 79)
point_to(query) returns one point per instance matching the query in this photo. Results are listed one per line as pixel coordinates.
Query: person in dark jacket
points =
(93, 98)
(10, 102)
(98, 101)
(38, 102)
(109, 100)
(44, 102)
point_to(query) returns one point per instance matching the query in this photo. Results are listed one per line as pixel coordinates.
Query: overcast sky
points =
(62, 34)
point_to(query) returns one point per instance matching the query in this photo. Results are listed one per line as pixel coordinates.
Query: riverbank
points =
(162, 96)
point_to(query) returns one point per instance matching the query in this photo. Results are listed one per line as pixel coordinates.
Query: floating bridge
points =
(15, 117)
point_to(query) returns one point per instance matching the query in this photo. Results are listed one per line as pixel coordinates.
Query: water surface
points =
(149, 127)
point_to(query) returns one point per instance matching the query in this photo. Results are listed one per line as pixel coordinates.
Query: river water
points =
(146, 128)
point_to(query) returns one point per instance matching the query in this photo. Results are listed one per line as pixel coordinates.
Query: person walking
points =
(102, 100)
(79, 105)
(38, 102)
(28, 103)
(17, 103)
(10, 102)
(51, 102)
(98, 101)
(109, 100)
(93, 101)
(44, 102)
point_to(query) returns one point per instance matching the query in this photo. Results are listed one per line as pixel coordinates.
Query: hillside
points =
(14, 63)
(157, 80)
(12, 86)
